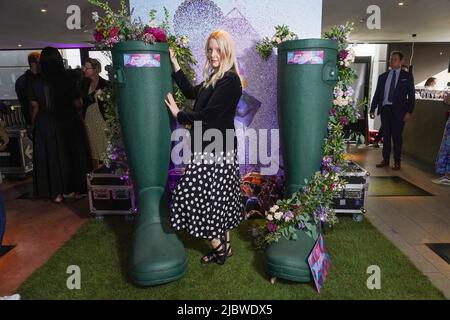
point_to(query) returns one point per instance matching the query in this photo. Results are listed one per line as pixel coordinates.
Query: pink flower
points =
(343, 54)
(114, 32)
(148, 38)
(158, 33)
(344, 120)
(111, 41)
(333, 112)
(272, 227)
(98, 35)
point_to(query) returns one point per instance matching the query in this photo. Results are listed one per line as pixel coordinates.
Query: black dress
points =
(207, 201)
(61, 150)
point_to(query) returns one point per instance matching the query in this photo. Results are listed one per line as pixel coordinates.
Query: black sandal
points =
(217, 255)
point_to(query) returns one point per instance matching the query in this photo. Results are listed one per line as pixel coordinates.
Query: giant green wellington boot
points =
(142, 76)
(307, 74)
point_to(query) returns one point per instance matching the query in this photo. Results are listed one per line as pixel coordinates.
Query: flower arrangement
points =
(266, 46)
(115, 150)
(311, 207)
(118, 26)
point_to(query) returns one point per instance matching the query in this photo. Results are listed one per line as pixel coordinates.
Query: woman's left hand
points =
(172, 105)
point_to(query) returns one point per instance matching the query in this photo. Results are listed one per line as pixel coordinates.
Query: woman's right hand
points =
(174, 60)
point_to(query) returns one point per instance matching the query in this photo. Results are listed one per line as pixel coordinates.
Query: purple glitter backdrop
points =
(197, 19)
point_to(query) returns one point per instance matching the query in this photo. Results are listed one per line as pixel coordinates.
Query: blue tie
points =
(392, 87)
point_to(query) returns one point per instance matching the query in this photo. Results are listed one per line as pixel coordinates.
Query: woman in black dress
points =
(207, 201)
(61, 152)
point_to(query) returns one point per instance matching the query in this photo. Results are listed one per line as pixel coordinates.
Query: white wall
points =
(378, 53)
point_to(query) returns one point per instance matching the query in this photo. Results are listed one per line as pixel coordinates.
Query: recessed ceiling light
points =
(43, 10)
(401, 3)
(19, 45)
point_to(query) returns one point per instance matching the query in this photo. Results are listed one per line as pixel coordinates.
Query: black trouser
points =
(392, 131)
(2, 218)
(379, 135)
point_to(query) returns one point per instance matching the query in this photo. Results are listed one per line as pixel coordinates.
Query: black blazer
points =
(215, 107)
(404, 95)
(89, 99)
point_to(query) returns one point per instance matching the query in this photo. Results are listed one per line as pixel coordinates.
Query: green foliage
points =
(266, 46)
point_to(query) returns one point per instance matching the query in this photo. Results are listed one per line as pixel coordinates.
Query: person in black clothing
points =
(24, 82)
(61, 153)
(94, 110)
(207, 202)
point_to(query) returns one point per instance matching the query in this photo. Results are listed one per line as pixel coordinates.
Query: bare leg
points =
(228, 235)
(215, 244)
(58, 199)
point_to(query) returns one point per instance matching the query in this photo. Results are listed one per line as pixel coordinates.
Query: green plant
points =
(266, 46)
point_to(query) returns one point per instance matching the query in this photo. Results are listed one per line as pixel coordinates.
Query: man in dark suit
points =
(394, 98)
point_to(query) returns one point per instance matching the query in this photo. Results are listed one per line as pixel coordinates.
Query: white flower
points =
(278, 215)
(288, 37)
(95, 16)
(274, 208)
(278, 40)
(270, 217)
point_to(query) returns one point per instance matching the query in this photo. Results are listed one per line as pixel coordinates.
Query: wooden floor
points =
(39, 228)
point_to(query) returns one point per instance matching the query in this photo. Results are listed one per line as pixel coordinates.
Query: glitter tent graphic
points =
(257, 108)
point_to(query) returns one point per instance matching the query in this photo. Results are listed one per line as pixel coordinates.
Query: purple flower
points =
(326, 161)
(333, 112)
(341, 28)
(272, 227)
(321, 213)
(344, 120)
(288, 215)
(343, 54)
(338, 92)
(301, 225)
(336, 169)
(349, 92)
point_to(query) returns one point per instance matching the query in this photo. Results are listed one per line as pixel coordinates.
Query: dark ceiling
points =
(22, 21)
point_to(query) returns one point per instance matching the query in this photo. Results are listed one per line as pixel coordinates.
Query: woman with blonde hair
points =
(207, 201)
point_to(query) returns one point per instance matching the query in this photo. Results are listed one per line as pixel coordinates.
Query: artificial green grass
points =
(101, 250)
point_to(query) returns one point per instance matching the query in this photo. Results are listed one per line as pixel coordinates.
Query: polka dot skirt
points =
(207, 200)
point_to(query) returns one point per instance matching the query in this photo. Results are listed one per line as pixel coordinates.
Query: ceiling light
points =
(401, 3)
(19, 45)
(43, 10)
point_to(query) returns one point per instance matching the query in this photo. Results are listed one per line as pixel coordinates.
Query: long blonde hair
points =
(228, 58)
